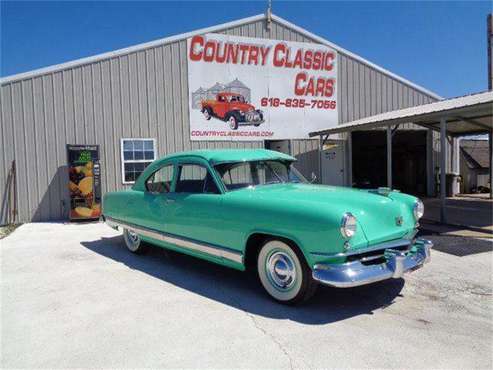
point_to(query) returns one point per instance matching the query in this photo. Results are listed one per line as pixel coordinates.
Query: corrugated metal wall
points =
(366, 92)
(141, 94)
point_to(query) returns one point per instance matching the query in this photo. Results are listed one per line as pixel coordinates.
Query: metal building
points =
(142, 92)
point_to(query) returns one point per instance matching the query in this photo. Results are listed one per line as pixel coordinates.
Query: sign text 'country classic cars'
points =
(254, 89)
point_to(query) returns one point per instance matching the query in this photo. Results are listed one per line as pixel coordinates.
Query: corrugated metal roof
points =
(220, 27)
(469, 114)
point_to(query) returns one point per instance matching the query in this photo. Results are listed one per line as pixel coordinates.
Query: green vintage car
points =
(251, 209)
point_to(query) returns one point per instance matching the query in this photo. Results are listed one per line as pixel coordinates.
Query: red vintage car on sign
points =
(232, 108)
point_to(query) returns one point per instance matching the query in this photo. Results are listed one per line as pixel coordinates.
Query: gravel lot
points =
(72, 296)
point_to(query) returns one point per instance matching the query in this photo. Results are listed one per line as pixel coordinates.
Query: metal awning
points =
(466, 115)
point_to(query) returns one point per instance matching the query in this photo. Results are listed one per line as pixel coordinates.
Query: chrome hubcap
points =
(206, 113)
(281, 270)
(232, 122)
(134, 238)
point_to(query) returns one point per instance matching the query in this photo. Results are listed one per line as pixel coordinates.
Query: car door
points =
(221, 106)
(194, 211)
(156, 197)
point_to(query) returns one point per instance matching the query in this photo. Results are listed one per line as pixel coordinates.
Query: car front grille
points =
(375, 257)
(252, 116)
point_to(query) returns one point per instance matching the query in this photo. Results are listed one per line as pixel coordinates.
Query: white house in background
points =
(474, 165)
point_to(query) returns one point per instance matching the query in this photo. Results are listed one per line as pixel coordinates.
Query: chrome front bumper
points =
(351, 274)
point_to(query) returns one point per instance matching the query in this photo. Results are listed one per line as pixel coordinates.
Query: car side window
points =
(160, 181)
(193, 178)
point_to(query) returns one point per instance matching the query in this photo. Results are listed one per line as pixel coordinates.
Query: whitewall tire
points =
(132, 241)
(207, 114)
(233, 122)
(283, 272)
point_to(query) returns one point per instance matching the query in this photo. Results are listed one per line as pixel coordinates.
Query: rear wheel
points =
(284, 274)
(133, 241)
(207, 113)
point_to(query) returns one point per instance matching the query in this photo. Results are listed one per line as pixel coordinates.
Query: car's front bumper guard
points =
(252, 118)
(355, 273)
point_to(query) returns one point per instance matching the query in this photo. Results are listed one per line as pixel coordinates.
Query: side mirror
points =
(314, 177)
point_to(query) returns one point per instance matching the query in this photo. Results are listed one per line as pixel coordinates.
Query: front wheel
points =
(284, 274)
(233, 122)
(133, 241)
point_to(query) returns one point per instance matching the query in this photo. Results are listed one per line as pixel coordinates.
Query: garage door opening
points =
(408, 163)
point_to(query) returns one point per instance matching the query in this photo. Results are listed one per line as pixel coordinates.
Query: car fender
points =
(279, 234)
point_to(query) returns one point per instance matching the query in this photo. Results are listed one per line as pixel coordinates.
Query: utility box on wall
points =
(84, 181)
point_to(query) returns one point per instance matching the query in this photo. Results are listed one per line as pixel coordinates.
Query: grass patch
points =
(7, 230)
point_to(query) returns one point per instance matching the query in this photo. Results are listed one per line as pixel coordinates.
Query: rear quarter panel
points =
(121, 205)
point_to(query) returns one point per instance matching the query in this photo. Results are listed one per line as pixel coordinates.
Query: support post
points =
(430, 164)
(443, 167)
(455, 168)
(320, 154)
(350, 159)
(490, 156)
(389, 157)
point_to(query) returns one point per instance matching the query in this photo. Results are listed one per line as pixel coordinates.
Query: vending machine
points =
(84, 181)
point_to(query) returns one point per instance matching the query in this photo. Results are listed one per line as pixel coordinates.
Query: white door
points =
(333, 164)
(278, 145)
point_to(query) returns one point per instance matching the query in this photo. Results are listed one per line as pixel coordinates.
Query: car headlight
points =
(348, 225)
(418, 209)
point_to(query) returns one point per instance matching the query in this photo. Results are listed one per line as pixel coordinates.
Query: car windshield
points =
(238, 175)
(238, 98)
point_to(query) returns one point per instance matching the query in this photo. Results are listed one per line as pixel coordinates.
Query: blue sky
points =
(439, 45)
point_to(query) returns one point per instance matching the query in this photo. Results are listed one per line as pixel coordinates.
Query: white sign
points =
(245, 88)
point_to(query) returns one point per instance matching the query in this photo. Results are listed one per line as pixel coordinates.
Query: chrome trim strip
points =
(385, 245)
(179, 241)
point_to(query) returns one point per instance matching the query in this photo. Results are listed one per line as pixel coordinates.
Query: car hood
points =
(244, 107)
(381, 218)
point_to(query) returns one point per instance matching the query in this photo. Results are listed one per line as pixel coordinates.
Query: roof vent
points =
(268, 15)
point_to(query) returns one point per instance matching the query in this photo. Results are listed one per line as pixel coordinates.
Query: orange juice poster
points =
(84, 181)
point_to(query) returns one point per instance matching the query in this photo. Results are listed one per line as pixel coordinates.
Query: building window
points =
(137, 154)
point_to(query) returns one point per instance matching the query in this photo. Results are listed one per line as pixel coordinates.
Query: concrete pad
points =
(452, 230)
(462, 211)
(73, 296)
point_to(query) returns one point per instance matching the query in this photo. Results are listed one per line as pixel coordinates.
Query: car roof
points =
(229, 94)
(215, 156)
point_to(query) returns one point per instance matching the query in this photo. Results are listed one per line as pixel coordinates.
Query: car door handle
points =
(169, 200)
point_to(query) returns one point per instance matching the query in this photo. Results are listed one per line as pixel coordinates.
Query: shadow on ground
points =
(241, 290)
(466, 211)
(458, 246)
